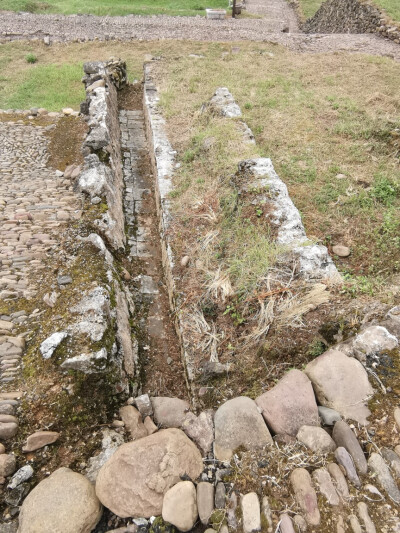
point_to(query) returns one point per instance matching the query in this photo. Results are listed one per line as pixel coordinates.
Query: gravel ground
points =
(277, 17)
(275, 11)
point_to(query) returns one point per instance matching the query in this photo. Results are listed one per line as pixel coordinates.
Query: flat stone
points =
(323, 479)
(266, 513)
(220, 496)
(396, 415)
(149, 425)
(8, 464)
(143, 404)
(200, 429)
(8, 430)
(8, 418)
(224, 102)
(134, 480)
(355, 524)
(214, 369)
(316, 439)
(339, 480)
(300, 523)
(50, 299)
(286, 524)
(22, 475)
(365, 518)
(340, 527)
(345, 437)
(6, 325)
(328, 416)
(2, 448)
(341, 383)
(344, 458)
(88, 363)
(392, 459)
(169, 412)
(64, 280)
(39, 440)
(384, 477)
(111, 441)
(180, 506)
(373, 340)
(48, 347)
(133, 422)
(231, 510)
(373, 490)
(305, 495)
(65, 501)
(251, 514)
(205, 501)
(238, 423)
(290, 404)
(19, 342)
(340, 250)
(10, 396)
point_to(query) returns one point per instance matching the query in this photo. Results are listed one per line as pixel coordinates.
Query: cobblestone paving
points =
(35, 202)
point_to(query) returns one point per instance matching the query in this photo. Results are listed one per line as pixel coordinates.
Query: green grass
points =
(316, 120)
(49, 86)
(114, 7)
(392, 7)
(310, 7)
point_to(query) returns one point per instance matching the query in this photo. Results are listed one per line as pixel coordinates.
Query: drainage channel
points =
(161, 368)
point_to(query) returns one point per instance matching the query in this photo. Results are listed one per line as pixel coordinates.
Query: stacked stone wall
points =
(102, 176)
(352, 16)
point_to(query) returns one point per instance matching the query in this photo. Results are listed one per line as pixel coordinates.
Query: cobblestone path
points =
(35, 203)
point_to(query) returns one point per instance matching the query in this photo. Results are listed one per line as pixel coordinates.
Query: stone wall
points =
(102, 176)
(102, 179)
(162, 161)
(352, 16)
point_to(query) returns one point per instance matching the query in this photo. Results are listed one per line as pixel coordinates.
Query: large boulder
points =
(341, 382)
(134, 480)
(290, 404)
(238, 423)
(65, 502)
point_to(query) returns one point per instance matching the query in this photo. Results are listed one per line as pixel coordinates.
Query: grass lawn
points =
(333, 138)
(392, 7)
(309, 7)
(114, 7)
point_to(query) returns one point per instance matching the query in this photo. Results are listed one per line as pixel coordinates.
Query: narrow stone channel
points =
(162, 371)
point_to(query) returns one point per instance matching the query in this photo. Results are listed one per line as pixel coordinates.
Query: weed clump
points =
(31, 58)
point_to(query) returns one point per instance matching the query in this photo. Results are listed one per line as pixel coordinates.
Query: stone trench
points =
(300, 457)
